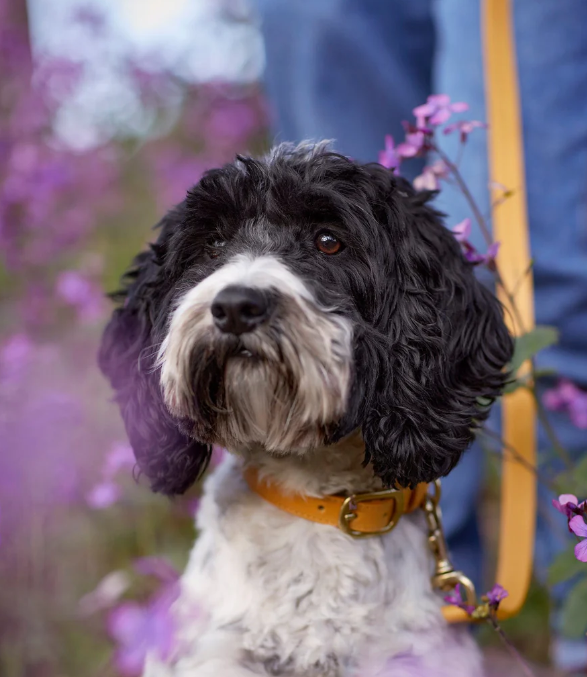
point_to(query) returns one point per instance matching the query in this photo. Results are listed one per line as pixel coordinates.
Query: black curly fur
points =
(429, 340)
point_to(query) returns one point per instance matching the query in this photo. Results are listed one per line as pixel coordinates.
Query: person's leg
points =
(552, 58)
(348, 70)
(353, 70)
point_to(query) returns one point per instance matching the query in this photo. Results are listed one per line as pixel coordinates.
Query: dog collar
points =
(358, 515)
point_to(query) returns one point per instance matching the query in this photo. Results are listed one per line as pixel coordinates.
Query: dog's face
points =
(291, 301)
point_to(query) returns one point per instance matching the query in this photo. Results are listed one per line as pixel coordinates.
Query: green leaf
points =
(565, 566)
(531, 343)
(574, 614)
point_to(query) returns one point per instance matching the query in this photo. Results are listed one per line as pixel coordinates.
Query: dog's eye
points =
(214, 247)
(327, 243)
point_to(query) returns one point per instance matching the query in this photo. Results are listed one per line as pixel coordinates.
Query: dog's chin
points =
(264, 406)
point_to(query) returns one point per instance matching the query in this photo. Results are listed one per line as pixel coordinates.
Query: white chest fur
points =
(268, 593)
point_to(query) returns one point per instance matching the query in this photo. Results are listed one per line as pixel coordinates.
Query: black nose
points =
(237, 310)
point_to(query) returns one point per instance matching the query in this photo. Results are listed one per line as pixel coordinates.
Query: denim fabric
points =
(352, 70)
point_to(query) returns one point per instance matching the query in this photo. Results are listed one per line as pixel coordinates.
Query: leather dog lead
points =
(510, 228)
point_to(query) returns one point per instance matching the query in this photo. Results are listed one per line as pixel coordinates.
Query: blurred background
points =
(109, 111)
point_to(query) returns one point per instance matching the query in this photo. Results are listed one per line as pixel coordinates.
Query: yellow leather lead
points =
(510, 227)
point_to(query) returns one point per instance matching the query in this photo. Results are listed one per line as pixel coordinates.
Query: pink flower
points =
(428, 180)
(567, 397)
(462, 232)
(103, 495)
(15, 357)
(389, 157)
(415, 144)
(456, 599)
(495, 595)
(79, 292)
(157, 566)
(120, 456)
(568, 505)
(139, 629)
(579, 528)
(437, 110)
(465, 127)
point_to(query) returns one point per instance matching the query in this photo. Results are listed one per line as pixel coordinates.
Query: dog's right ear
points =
(165, 454)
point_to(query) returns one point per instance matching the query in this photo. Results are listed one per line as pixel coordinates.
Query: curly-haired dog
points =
(313, 316)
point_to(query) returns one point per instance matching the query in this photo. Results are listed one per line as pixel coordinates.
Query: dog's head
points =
(293, 300)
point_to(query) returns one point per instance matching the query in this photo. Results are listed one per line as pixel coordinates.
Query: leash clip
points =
(348, 511)
(445, 577)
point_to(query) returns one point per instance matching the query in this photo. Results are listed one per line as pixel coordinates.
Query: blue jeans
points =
(352, 70)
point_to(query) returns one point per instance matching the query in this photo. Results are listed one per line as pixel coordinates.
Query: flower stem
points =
(511, 648)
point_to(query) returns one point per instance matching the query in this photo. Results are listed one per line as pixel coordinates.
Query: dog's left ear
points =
(171, 459)
(443, 363)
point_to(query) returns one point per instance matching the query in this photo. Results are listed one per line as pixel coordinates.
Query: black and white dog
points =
(313, 316)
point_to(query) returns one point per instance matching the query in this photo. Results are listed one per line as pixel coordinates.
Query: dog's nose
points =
(237, 310)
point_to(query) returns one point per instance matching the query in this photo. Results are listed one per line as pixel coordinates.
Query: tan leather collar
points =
(359, 515)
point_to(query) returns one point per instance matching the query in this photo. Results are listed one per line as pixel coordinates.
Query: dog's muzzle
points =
(238, 310)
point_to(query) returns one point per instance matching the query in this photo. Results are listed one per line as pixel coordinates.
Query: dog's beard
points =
(282, 386)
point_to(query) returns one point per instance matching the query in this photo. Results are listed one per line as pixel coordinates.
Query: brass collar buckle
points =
(348, 511)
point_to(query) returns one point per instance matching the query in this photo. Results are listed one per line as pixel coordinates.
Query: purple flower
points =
(456, 599)
(15, 356)
(160, 567)
(495, 595)
(120, 456)
(79, 292)
(567, 397)
(415, 144)
(579, 528)
(462, 232)
(568, 505)
(465, 127)
(428, 180)
(389, 157)
(437, 110)
(103, 495)
(141, 629)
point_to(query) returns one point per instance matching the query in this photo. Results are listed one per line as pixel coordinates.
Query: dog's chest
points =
(299, 594)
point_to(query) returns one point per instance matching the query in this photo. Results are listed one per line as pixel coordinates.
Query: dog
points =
(313, 316)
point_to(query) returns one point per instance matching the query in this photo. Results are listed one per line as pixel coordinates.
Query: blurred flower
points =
(496, 595)
(567, 397)
(120, 456)
(15, 356)
(109, 590)
(428, 180)
(157, 566)
(414, 145)
(465, 127)
(107, 493)
(141, 629)
(462, 232)
(437, 110)
(579, 528)
(456, 599)
(388, 157)
(79, 292)
(103, 495)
